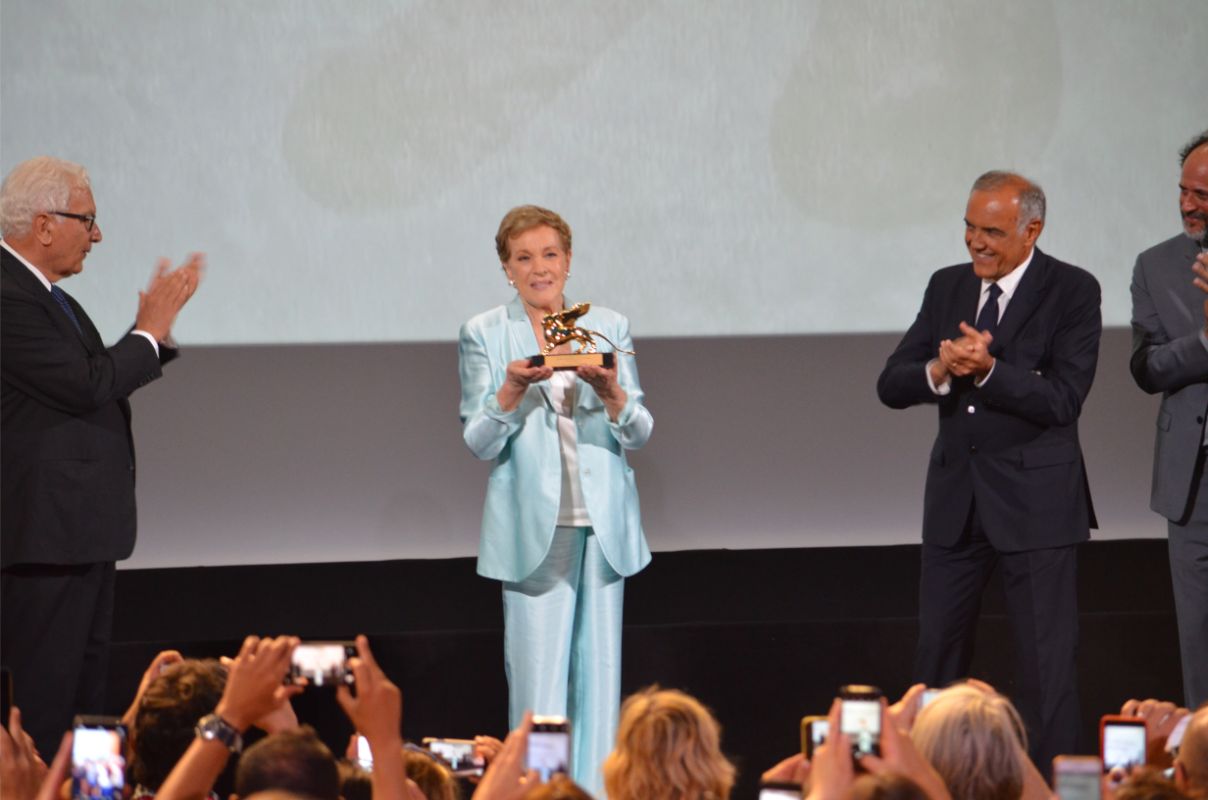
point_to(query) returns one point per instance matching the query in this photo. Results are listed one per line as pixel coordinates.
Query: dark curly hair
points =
(1192, 146)
(163, 725)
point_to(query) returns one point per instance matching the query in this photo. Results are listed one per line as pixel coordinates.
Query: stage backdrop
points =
(763, 188)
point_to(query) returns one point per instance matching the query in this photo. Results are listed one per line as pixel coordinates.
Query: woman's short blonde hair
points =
(525, 218)
(668, 748)
(976, 741)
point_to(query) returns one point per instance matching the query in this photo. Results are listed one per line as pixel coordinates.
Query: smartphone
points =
(813, 733)
(98, 762)
(6, 695)
(1121, 741)
(779, 791)
(322, 664)
(458, 754)
(860, 718)
(549, 746)
(1077, 777)
(364, 754)
(927, 696)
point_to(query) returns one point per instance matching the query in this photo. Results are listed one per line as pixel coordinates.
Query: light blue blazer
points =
(525, 486)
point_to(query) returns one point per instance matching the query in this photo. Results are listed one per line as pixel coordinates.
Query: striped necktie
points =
(60, 297)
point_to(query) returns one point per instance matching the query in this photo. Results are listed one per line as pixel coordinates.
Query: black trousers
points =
(55, 624)
(1041, 588)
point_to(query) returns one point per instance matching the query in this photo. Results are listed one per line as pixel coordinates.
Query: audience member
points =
(355, 782)
(560, 787)
(164, 718)
(668, 746)
(976, 742)
(433, 778)
(885, 786)
(1191, 764)
(293, 760)
(1148, 784)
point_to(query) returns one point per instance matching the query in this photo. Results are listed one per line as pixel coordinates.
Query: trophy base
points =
(574, 360)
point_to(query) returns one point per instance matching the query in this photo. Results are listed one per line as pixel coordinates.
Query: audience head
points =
(355, 782)
(432, 778)
(1191, 765)
(976, 741)
(559, 788)
(668, 746)
(294, 761)
(1148, 784)
(167, 714)
(886, 786)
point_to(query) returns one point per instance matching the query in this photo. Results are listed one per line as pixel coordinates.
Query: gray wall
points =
(353, 452)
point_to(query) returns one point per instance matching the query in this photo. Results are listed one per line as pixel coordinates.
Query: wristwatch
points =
(214, 728)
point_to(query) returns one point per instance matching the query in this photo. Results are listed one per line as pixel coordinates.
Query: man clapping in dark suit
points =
(1006, 482)
(1170, 355)
(67, 507)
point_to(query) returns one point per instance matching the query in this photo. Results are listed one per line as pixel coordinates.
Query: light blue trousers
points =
(562, 647)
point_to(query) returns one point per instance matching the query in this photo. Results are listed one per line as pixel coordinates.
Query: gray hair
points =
(1031, 196)
(975, 741)
(1192, 146)
(34, 187)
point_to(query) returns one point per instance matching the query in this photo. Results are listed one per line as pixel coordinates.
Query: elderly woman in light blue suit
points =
(561, 525)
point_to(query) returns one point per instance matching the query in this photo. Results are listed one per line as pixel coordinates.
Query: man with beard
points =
(1170, 355)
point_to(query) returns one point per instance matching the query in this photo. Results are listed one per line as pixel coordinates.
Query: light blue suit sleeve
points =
(486, 426)
(634, 424)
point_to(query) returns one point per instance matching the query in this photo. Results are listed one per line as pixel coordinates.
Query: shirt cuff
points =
(150, 339)
(982, 382)
(944, 388)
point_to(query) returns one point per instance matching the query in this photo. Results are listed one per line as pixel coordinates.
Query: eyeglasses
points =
(88, 219)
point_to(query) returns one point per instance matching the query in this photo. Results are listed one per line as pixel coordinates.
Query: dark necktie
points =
(60, 297)
(987, 320)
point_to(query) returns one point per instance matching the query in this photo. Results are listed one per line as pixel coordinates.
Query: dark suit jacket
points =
(1169, 356)
(1010, 446)
(66, 450)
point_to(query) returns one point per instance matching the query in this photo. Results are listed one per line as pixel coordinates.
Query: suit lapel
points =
(1024, 302)
(523, 342)
(20, 275)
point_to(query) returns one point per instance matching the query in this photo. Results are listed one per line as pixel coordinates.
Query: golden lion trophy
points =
(562, 327)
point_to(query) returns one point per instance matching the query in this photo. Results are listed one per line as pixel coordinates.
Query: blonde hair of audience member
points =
(1191, 765)
(559, 788)
(668, 748)
(433, 779)
(976, 741)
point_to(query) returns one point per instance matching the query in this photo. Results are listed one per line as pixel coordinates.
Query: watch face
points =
(215, 729)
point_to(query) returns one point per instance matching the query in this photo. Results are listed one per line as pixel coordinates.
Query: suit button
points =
(973, 449)
(971, 409)
(1199, 420)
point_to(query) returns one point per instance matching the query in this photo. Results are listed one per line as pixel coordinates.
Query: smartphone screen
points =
(1077, 777)
(458, 754)
(549, 747)
(778, 793)
(364, 754)
(818, 729)
(98, 766)
(1123, 745)
(860, 720)
(322, 663)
